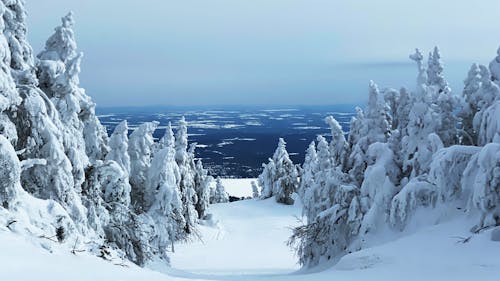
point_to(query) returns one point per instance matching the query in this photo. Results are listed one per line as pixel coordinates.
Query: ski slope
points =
(246, 241)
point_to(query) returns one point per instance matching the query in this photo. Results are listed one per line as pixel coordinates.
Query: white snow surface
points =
(237, 187)
(246, 241)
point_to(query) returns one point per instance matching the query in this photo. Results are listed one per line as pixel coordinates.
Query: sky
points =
(264, 52)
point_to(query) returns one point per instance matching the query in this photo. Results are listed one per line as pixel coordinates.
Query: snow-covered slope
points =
(247, 237)
(23, 261)
(238, 187)
(247, 242)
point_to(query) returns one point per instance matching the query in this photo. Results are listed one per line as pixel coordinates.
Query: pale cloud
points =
(262, 51)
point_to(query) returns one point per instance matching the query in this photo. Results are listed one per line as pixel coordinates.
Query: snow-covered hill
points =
(247, 242)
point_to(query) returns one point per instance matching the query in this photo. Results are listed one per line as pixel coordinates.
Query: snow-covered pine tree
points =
(308, 171)
(391, 99)
(163, 198)
(140, 150)
(421, 85)
(54, 147)
(378, 187)
(495, 68)
(332, 209)
(202, 188)
(463, 176)
(255, 190)
(58, 69)
(369, 127)
(280, 176)
(118, 145)
(266, 179)
(286, 177)
(9, 96)
(423, 120)
(402, 112)
(220, 194)
(323, 182)
(168, 139)
(181, 142)
(329, 235)
(400, 119)
(92, 194)
(185, 162)
(322, 178)
(489, 94)
(472, 84)
(27, 112)
(338, 144)
(482, 175)
(443, 101)
(10, 173)
(356, 162)
(435, 76)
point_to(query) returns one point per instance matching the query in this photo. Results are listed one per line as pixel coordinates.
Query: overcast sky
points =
(162, 52)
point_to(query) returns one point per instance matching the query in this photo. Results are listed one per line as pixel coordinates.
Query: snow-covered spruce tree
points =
(391, 99)
(446, 174)
(186, 181)
(329, 235)
(92, 194)
(444, 101)
(423, 120)
(309, 169)
(486, 119)
(39, 137)
(435, 73)
(163, 198)
(369, 127)
(10, 173)
(331, 205)
(472, 84)
(495, 68)
(107, 186)
(181, 142)
(356, 162)
(140, 150)
(202, 188)
(482, 175)
(421, 82)
(378, 187)
(54, 147)
(266, 179)
(255, 190)
(118, 145)
(9, 97)
(280, 176)
(168, 139)
(489, 130)
(338, 144)
(440, 175)
(286, 181)
(436, 173)
(58, 67)
(317, 196)
(220, 194)
(401, 119)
